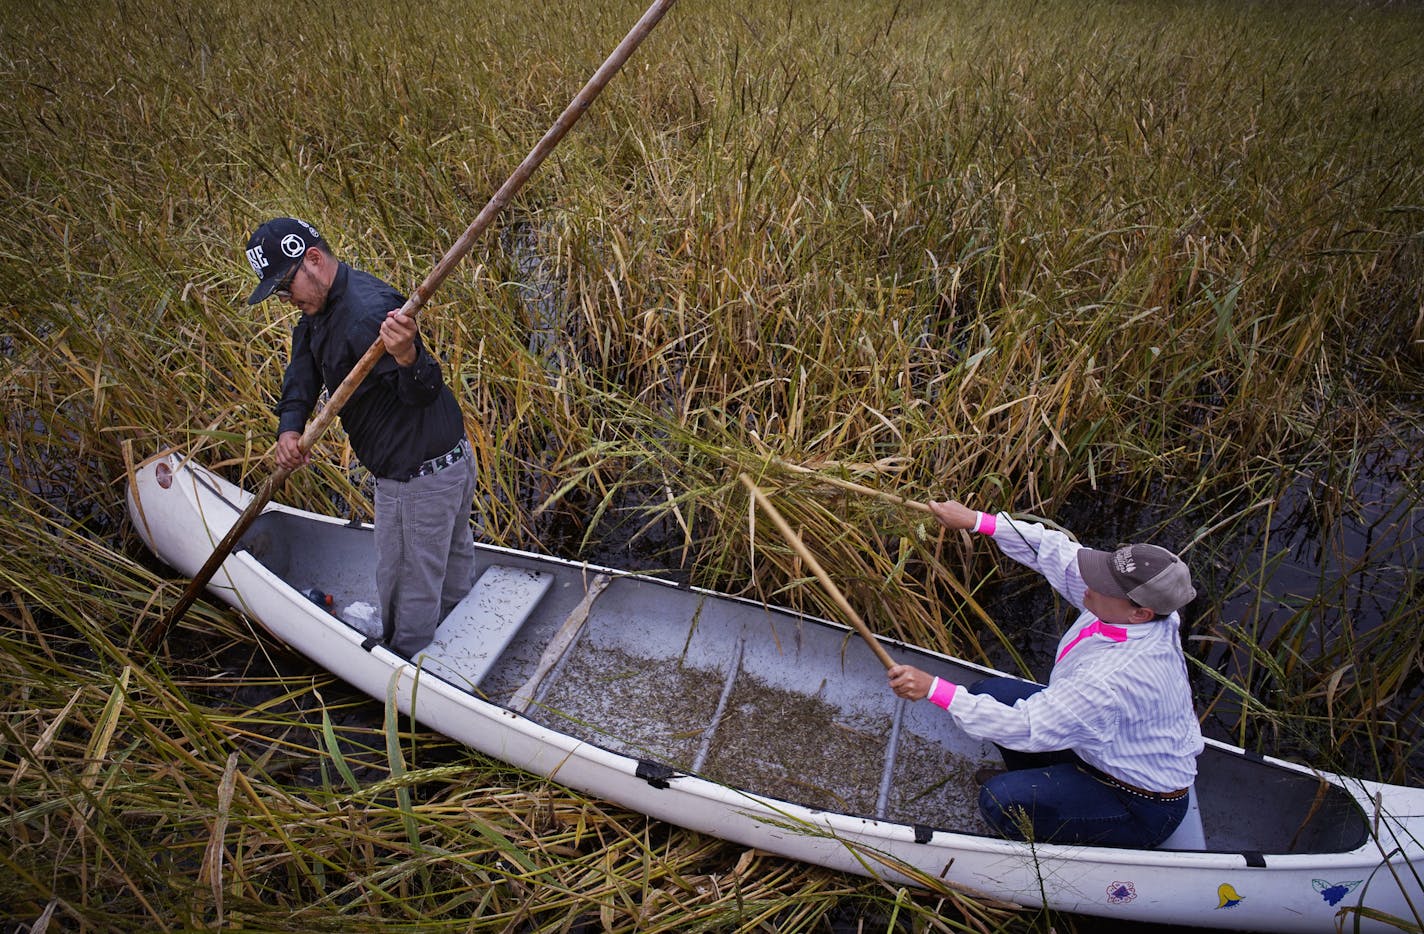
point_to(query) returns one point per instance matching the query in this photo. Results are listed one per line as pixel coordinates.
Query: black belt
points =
(1102, 776)
(438, 463)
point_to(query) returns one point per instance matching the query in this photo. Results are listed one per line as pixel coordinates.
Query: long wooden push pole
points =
(318, 425)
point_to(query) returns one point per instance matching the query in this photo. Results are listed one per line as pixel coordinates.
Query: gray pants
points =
(425, 552)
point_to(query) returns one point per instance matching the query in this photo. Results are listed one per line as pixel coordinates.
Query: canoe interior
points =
(777, 704)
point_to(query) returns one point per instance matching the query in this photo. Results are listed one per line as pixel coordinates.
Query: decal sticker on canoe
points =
(1226, 896)
(1120, 893)
(1332, 893)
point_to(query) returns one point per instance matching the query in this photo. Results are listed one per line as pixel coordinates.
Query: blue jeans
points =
(1056, 797)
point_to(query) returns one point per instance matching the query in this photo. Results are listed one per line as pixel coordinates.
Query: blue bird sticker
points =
(1332, 893)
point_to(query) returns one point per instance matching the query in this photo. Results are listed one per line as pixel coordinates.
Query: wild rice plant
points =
(1032, 255)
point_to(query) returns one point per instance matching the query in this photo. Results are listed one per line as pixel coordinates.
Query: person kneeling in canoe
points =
(1106, 752)
(402, 420)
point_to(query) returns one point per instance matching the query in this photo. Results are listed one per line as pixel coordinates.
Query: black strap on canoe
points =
(923, 834)
(1254, 858)
(654, 773)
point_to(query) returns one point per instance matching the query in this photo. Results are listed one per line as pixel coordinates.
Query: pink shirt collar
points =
(1096, 628)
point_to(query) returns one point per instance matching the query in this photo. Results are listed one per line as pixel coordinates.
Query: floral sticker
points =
(1120, 893)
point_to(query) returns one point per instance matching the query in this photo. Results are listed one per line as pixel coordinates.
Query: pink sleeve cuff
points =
(986, 524)
(941, 692)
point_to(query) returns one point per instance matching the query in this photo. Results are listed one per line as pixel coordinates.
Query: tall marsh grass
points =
(1029, 254)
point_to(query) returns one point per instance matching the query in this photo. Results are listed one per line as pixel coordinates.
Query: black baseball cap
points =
(274, 248)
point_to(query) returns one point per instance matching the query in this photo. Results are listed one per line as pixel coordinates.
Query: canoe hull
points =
(181, 510)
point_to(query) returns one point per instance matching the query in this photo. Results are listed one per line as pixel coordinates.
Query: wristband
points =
(986, 523)
(941, 692)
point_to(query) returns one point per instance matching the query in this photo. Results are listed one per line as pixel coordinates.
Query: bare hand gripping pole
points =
(318, 425)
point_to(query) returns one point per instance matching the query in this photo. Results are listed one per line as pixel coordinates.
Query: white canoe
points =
(778, 731)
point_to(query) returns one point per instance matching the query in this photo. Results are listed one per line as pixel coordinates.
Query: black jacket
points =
(398, 416)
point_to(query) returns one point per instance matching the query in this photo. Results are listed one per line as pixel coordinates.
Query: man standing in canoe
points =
(403, 422)
(1106, 752)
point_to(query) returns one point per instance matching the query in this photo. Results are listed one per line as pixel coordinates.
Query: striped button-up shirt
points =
(1117, 696)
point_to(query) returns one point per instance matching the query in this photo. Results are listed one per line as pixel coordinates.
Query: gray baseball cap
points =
(1145, 574)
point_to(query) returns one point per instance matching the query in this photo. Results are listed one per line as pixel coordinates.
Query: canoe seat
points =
(478, 629)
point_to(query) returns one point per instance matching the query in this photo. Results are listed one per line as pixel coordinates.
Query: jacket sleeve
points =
(417, 385)
(420, 383)
(301, 384)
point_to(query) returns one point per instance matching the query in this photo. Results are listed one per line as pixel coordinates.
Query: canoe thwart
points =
(559, 645)
(472, 636)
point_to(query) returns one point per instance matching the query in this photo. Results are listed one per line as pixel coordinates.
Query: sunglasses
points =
(284, 288)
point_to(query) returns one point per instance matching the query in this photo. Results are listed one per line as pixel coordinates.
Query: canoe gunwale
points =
(990, 867)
